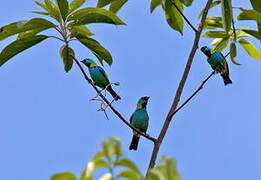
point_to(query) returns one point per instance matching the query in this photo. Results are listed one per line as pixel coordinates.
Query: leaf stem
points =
(186, 19)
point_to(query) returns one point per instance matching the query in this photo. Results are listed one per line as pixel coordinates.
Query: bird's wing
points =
(224, 63)
(131, 118)
(104, 74)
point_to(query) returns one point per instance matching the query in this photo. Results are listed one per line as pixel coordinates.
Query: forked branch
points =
(109, 104)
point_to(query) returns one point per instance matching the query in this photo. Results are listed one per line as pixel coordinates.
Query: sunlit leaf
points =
(98, 156)
(249, 15)
(97, 49)
(215, 3)
(65, 53)
(63, 8)
(102, 3)
(250, 48)
(253, 33)
(94, 15)
(213, 23)
(215, 34)
(173, 17)
(216, 41)
(80, 30)
(128, 164)
(186, 2)
(106, 176)
(233, 53)
(222, 44)
(155, 174)
(154, 4)
(116, 5)
(18, 46)
(129, 175)
(75, 4)
(91, 167)
(64, 176)
(30, 33)
(227, 15)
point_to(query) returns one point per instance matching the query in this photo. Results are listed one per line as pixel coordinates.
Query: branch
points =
(109, 104)
(194, 29)
(180, 89)
(200, 87)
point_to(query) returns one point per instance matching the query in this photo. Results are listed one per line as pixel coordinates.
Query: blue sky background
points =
(48, 125)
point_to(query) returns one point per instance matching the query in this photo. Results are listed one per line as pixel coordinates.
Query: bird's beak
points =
(147, 97)
(202, 49)
(82, 61)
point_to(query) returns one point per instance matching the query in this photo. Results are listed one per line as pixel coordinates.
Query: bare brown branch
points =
(180, 88)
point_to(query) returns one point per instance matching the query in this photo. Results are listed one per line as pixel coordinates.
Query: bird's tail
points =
(134, 142)
(226, 79)
(113, 93)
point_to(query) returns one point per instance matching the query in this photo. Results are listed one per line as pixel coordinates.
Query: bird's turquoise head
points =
(89, 63)
(206, 50)
(142, 103)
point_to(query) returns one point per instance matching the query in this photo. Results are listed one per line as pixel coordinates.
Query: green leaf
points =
(63, 7)
(129, 175)
(97, 49)
(117, 146)
(41, 12)
(18, 46)
(250, 48)
(65, 53)
(102, 3)
(227, 15)
(75, 4)
(186, 2)
(22, 26)
(128, 164)
(215, 3)
(222, 44)
(256, 4)
(30, 33)
(12, 29)
(80, 30)
(91, 167)
(64, 176)
(173, 17)
(249, 15)
(41, 5)
(106, 176)
(52, 9)
(215, 34)
(171, 169)
(233, 53)
(216, 41)
(254, 33)
(116, 5)
(154, 4)
(98, 156)
(94, 15)
(213, 23)
(155, 174)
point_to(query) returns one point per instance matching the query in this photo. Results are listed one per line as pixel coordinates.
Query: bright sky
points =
(48, 125)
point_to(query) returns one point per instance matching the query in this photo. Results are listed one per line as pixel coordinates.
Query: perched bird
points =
(99, 77)
(139, 119)
(218, 63)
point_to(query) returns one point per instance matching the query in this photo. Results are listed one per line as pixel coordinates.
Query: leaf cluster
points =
(110, 157)
(70, 22)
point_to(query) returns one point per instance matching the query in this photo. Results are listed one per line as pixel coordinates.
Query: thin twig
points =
(186, 19)
(108, 103)
(180, 88)
(200, 87)
(57, 38)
